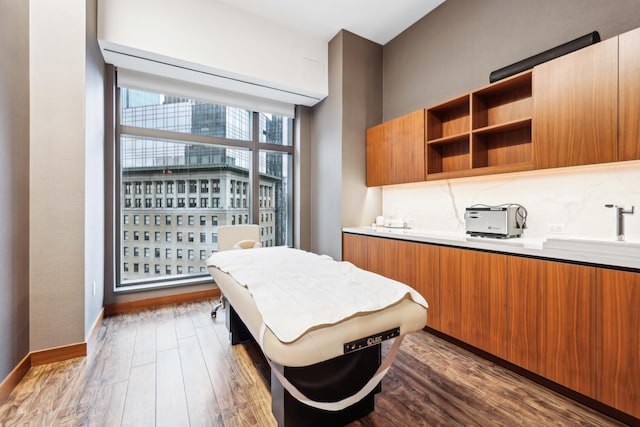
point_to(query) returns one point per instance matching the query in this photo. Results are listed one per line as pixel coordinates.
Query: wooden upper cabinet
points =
(575, 107)
(378, 152)
(395, 151)
(629, 69)
(618, 327)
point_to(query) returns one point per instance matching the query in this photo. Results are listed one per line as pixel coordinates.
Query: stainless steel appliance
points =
(502, 221)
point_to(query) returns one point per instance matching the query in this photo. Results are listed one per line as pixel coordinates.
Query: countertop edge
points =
(506, 246)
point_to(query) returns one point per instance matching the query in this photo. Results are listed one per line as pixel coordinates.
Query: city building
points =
(174, 195)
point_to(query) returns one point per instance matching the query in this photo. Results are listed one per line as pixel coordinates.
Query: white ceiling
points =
(376, 20)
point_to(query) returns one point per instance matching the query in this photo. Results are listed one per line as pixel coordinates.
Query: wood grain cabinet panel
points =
(629, 75)
(407, 155)
(415, 264)
(575, 107)
(618, 326)
(395, 151)
(378, 151)
(382, 256)
(354, 250)
(419, 267)
(451, 292)
(568, 333)
(538, 314)
(473, 298)
(524, 286)
(551, 312)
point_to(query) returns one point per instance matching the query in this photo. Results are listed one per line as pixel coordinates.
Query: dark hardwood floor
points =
(174, 366)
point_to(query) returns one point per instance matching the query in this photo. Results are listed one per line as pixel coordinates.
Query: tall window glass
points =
(179, 189)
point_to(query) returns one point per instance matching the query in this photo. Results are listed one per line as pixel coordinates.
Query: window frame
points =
(255, 147)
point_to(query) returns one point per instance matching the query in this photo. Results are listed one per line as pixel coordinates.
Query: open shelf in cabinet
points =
(482, 132)
(450, 154)
(502, 102)
(502, 148)
(501, 124)
(448, 119)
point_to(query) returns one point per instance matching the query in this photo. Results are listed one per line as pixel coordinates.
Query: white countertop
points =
(606, 253)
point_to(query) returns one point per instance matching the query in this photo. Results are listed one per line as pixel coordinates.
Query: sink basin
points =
(590, 244)
(611, 251)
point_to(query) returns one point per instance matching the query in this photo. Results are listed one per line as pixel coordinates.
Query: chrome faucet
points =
(620, 211)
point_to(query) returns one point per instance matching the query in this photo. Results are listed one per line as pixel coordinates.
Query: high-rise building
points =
(175, 195)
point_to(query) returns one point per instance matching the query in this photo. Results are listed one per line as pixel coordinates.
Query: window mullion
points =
(179, 159)
(255, 170)
(168, 135)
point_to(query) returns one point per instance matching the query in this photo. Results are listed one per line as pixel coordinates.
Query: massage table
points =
(320, 324)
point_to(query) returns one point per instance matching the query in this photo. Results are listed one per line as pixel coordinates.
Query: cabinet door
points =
(407, 151)
(524, 289)
(395, 151)
(629, 142)
(382, 256)
(568, 322)
(552, 321)
(354, 249)
(473, 295)
(378, 152)
(419, 267)
(618, 329)
(575, 107)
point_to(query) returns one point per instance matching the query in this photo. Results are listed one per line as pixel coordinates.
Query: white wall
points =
(57, 172)
(571, 197)
(213, 37)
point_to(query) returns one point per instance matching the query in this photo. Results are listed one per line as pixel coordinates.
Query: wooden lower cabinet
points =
(578, 326)
(414, 264)
(354, 249)
(524, 288)
(473, 292)
(382, 256)
(551, 321)
(618, 340)
(419, 267)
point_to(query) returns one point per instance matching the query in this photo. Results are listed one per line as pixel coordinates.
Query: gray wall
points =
(326, 160)
(94, 233)
(453, 49)
(57, 56)
(14, 184)
(339, 196)
(361, 109)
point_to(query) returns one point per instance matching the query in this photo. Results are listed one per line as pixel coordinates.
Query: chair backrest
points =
(229, 235)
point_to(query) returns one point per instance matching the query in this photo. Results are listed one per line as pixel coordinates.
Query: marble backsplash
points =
(560, 202)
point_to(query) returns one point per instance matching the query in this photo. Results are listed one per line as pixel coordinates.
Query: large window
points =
(187, 167)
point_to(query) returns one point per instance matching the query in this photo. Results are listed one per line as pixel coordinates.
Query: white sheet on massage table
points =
(296, 291)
